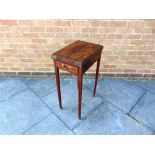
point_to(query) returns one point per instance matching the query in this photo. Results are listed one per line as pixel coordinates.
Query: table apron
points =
(89, 63)
(66, 67)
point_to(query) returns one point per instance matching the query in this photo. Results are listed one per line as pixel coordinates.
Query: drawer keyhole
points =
(66, 66)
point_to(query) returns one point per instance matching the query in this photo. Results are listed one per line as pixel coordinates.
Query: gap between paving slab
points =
(49, 108)
(90, 112)
(123, 111)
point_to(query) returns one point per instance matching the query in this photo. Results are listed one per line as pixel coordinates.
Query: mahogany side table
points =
(77, 58)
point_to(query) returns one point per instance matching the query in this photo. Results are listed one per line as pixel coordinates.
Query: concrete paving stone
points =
(118, 92)
(70, 103)
(20, 112)
(107, 120)
(2, 79)
(50, 126)
(146, 84)
(90, 83)
(144, 111)
(31, 81)
(9, 87)
(43, 86)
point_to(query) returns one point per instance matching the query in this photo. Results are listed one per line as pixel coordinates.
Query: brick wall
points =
(26, 45)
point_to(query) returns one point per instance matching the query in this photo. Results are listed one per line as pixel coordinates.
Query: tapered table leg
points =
(58, 85)
(96, 78)
(80, 76)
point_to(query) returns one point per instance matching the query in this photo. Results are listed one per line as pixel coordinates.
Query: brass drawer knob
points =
(66, 66)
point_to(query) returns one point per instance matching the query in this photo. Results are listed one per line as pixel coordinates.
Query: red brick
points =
(9, 73)
(109, 66)
(27, 60)
(62, 23)
(79, 23)
(3, 68)
(136, 24)
(24, 73)
(18, 29)
(99, 23)
(16, 46)
(72, 29)
(26, 23)
(117, 24)
(116, 70)
(129, 70)
(1, 59)
(68, 41)
(98, 36)
(30, 35)
(8, 22)
(79, 35)
(54, 29)
(89, 30)
(148, 37)
(1, 35)
(4, 28)
(12, 35)
(45, 23)
(132, 36)
(63, 35)
(39, 41)
(37, 29)
(153, 30)
(114, 36)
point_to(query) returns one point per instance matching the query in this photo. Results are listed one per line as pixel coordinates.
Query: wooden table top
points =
(77, 53)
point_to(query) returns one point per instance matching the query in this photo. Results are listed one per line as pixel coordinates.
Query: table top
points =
(77, 53)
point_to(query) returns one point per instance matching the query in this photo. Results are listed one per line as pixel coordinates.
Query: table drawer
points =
(66, 67)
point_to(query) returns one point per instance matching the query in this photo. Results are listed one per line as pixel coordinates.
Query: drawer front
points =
(66, 67)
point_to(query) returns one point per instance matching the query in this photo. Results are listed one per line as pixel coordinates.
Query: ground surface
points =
(30, 106)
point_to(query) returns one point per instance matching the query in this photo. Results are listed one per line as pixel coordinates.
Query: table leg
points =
(58, 85)
(96, 78)
(80, 76)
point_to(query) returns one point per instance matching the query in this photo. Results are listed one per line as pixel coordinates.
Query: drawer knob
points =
(66, 66)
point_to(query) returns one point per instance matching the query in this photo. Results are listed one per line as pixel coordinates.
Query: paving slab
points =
(20, 112)
(144, 111)
(119, 93)
(2, 79)
(44, 86)
(50, 126)
(70, 103)
(146, 84)
(10, 86)
(107, 120)
(90, 83)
